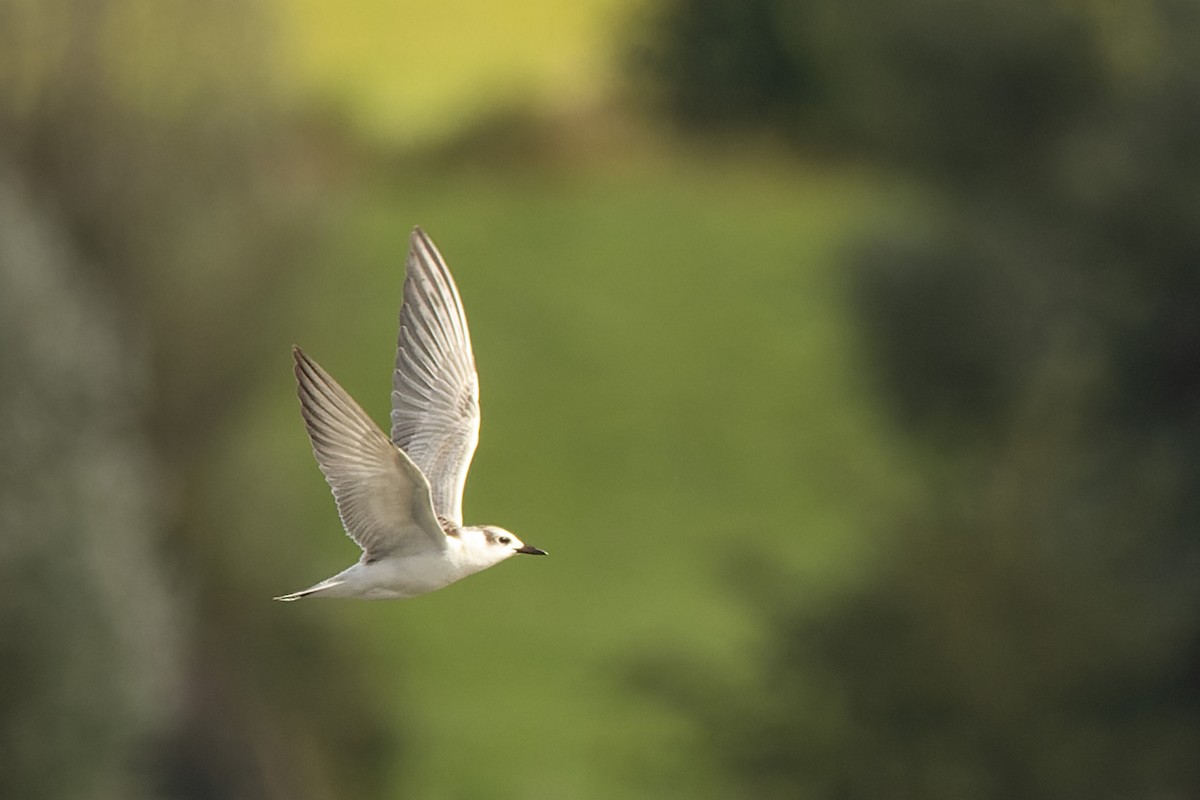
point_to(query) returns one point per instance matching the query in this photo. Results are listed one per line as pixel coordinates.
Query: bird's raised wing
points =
(382, 497)
(435, 390)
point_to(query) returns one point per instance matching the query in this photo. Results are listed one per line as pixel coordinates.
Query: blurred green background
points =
(845, 355)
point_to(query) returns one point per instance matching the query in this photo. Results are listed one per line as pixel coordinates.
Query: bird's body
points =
(400, 499)
(400, 578)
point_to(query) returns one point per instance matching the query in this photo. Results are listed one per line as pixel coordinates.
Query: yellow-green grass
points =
(412, 71)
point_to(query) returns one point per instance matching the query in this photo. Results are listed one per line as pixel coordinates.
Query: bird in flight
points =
(400, 499)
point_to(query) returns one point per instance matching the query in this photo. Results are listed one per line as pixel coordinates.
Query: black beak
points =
(530, 550)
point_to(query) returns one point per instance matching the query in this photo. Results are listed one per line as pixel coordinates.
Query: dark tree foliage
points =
(956, 87)
(1035, 631)
(727, 64)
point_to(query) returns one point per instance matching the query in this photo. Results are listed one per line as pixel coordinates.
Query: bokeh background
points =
(845, 355)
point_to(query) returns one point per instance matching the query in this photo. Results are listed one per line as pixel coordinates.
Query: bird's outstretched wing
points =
(382, 497)
(435, 389)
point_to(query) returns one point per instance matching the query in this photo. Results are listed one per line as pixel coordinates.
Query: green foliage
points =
(1035, 632)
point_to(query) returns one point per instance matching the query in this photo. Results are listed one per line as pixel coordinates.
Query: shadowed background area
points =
(844, 355)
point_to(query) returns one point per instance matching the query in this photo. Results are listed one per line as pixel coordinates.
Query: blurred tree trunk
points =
(89, 633)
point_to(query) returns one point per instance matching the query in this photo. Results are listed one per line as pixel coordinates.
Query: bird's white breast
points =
(397, 578)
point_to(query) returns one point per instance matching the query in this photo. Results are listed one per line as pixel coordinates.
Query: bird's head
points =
(495, 544)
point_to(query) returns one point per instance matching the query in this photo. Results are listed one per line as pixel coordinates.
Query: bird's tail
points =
(323, 587)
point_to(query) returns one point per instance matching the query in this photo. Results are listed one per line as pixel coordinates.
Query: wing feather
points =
(382, 498)
(435, 389)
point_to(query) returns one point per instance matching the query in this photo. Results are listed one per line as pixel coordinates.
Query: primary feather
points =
(435, 389)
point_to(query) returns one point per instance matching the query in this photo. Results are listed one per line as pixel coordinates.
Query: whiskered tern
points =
(400, 498)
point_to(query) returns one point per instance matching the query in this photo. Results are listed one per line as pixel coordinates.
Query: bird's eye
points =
(504, 540)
